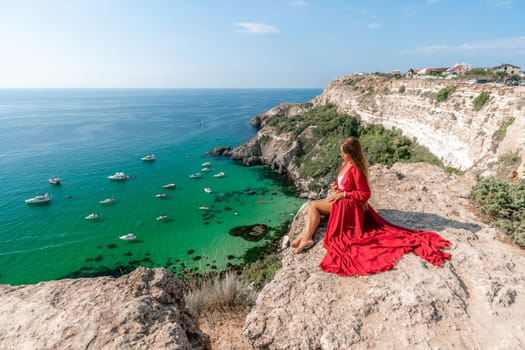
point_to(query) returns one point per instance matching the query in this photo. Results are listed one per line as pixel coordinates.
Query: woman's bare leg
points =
(315, 210)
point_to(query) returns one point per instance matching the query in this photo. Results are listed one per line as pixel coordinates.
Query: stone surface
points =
(142, 310)
(474, 301)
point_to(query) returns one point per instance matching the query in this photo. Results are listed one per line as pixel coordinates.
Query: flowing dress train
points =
(358, 241)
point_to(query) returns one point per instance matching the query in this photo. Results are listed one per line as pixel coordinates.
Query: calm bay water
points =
(85, 135)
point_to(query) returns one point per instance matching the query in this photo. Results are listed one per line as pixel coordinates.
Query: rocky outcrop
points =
(474, 301)
(453, 130)
(142, 310)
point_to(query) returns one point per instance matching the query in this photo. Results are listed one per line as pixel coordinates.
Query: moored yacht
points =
(148, 158)
(169, 186)
(128, 237)
(54, 181)
(195, 176)
(107, 201)
(118, 176)
(219, 174)
(40, 199)
(92, 216)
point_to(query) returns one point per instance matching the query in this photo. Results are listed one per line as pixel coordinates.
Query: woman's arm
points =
(361, 193)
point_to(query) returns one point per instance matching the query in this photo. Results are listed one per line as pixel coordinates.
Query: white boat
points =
(128, 237)
(119, 176)
(92, 216)
(54, 181)
(161, 195)
(203, 207)
(205, 169)
(207, 189)
(220, 174)
(148, 158)
(170, 186)
(41, 198)
(162, 217)
(107, 201)
(195, 176)
(206, 164)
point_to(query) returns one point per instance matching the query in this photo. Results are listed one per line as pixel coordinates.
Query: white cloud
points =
(514, 43)
(252, 27)
(500, 3)
(300, 3)
(373, 25)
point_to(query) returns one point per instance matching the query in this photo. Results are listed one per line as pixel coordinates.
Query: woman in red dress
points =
(358, 241)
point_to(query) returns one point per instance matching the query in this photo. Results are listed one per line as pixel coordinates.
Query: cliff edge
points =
(142, 310)
(474, 301)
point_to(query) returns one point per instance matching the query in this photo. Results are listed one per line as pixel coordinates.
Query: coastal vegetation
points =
(499, 135)
(318, 132)
(402, 89)
(502, 204)
(445, 93)
(481, 100)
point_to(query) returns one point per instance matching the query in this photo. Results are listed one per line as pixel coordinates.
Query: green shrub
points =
(499, 135)
(510, 158)
(481, 100)
(402, 89)
(262, 271)
(503, 204)
(318, 132)
(445, 93)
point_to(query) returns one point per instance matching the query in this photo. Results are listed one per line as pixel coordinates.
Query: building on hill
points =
(510, 69)
(459, 69)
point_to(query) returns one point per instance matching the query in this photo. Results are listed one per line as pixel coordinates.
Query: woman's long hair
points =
(352, 147)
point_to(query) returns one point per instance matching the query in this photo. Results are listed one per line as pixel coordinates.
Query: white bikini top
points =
(339, 179)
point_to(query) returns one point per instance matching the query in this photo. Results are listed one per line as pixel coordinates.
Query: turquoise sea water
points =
(83, 136)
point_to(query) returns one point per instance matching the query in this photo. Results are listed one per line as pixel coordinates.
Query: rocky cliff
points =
(142, 310)
(474, 301)
(453, 130)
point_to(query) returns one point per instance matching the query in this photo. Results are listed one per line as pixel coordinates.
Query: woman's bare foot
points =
(304, 246)
(295, 243)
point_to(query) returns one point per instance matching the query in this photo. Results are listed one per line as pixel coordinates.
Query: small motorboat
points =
(92, 216)
(195, 176)
(169, 186)
(128, 237)
(118, 176)
(148, 158)
(162, 217)
(207, 189)
(206, 164)
(40, 199)
(205, 169)
(203, 207)
(107, 201)
(220, 174)
(54, 181)
(161, 195)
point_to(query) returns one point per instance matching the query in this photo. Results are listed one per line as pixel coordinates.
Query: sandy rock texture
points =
(474, 301)
(142, 310)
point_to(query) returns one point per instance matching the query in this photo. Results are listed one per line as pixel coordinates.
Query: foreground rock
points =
(474, 301)
(142, 310)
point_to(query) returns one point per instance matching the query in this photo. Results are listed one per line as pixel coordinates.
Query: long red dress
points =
(360, 242)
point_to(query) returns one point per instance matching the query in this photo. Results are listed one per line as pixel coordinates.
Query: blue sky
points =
(247, 43)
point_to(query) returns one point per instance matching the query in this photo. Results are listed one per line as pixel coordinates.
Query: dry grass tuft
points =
(221, 292)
